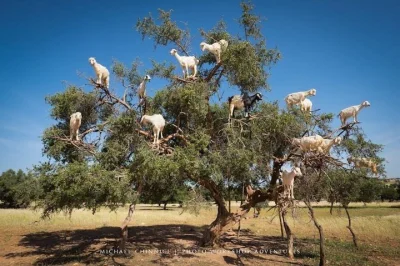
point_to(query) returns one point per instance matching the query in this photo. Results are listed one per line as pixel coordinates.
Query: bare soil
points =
(148, 245)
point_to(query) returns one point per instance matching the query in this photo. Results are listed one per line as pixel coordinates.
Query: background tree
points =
(390, 193)
(15, 189)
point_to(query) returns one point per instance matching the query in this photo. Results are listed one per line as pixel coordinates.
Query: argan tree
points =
(116, 161)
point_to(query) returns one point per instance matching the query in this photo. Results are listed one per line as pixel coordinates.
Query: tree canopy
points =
(116, 161)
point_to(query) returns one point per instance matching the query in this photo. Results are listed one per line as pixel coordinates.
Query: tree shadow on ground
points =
(160, 243)
(92, 246)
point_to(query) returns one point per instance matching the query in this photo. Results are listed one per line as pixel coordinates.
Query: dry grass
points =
(22, 234)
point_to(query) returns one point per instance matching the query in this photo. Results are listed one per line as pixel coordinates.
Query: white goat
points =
(74, 124)
(216, 48)
(102, 74)
(311, 143)
(328, 143)
(158, 123)
(288, 181)
(306, 105)
(297, 97)
(142, 88)
(363, 162)
(352, 111)
(186, 62)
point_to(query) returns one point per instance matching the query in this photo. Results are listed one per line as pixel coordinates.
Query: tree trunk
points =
(349, 226)
(322, 259)
(226, 220)
(242, 197)
(229, 194)
(124, 226)
(276, 168)
(211, 236)
(281, 223)
(238, 230)
(330, 211)
(165, 205)
(289, 236)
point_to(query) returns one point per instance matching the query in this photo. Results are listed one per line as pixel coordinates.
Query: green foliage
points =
(14, 189)
(78, 185)
(72, 100)
(162, 70)
(313, 186)
(63, 104)
(249, 21)
(189, 99)
(357, 145)
(344, 186)
(245, 67)
(165, 33)
(390, 193)
(370, 190)
(204, 149)
(120, 143)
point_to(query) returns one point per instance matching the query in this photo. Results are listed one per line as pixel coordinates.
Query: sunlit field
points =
(171, 237)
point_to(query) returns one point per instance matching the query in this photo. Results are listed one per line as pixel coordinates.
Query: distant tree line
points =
(19, 190)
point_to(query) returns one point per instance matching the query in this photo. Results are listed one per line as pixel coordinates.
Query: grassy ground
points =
(166, 237)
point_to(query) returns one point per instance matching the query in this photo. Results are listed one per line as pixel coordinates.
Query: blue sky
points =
(347, 50)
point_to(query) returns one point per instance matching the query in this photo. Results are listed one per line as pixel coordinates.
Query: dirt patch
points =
(148, 245)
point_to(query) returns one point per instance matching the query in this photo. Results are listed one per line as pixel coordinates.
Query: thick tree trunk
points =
(211, 236)
(330, 211)
(226, 220)
(322, 259)
(165, 205)
(349, 226)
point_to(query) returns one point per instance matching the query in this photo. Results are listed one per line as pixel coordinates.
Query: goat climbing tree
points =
(116, 160)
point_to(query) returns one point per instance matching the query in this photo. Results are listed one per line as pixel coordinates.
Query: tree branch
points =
(212, 72)
(109, 94)
(86, 147)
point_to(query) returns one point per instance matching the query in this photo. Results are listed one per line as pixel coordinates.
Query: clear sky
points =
(348, 50)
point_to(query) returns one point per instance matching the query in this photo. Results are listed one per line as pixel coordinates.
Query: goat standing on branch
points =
(240, 102)
(216, 48)
(141, 91)
(352, 111)
(102, 74)
(363, 162)
(298, 97)
(311, 143)
(306, 105)
(158, 123)
(328, 143)
(186, 62)
(288, 181)
(74, 124)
